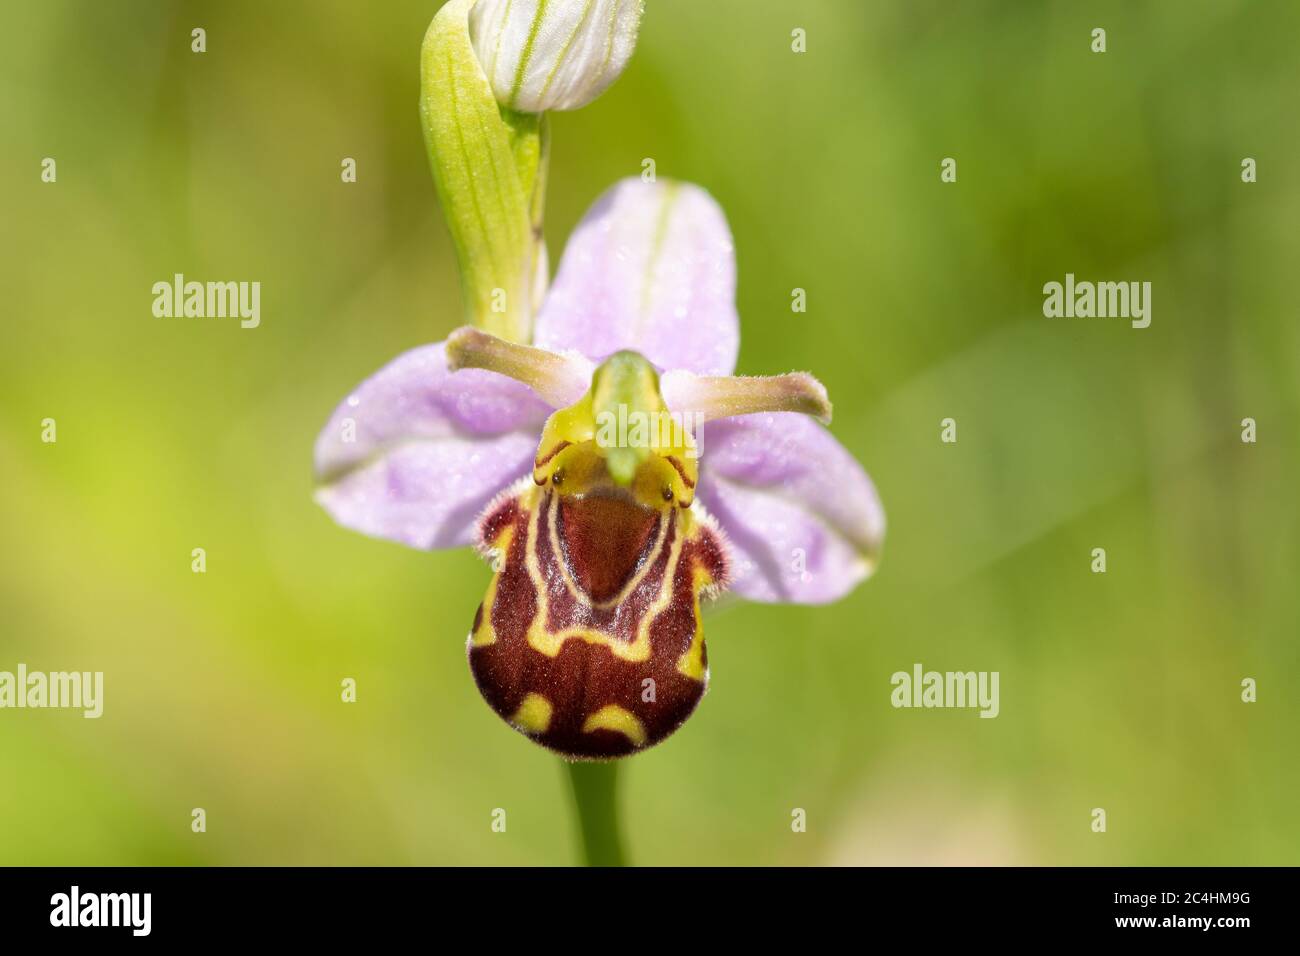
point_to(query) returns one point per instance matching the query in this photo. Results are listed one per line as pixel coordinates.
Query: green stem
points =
(595, 801)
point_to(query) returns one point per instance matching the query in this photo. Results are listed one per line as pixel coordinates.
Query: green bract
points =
(489, 165)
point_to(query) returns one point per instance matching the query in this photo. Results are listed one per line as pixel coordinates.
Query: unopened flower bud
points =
(553, 54)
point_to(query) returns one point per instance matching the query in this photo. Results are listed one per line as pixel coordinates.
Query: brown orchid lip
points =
(596, 599)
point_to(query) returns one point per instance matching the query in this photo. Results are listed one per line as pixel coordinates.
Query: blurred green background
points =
(1119, 691)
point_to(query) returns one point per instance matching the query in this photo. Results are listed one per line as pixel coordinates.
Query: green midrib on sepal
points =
(489, 166)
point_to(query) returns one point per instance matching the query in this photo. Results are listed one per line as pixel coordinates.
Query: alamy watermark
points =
(75, 908)
(1102, 300)
(922, 688)
(211, 300)
(83, 690)
(659, 431)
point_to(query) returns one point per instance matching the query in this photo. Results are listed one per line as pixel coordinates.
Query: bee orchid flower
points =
(606, 537)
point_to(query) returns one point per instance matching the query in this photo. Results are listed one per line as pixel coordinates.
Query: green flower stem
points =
(595, 801)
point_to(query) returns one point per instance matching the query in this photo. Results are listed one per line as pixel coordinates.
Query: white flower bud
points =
(553, 54)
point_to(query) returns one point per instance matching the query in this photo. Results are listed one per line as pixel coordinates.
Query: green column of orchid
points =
(489, 165)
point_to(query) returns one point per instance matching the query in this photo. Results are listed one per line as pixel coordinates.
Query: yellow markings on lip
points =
(533, 715)
(485, 633)
(619, 719)
(637, 651)
(691, 664)
(544, 642)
